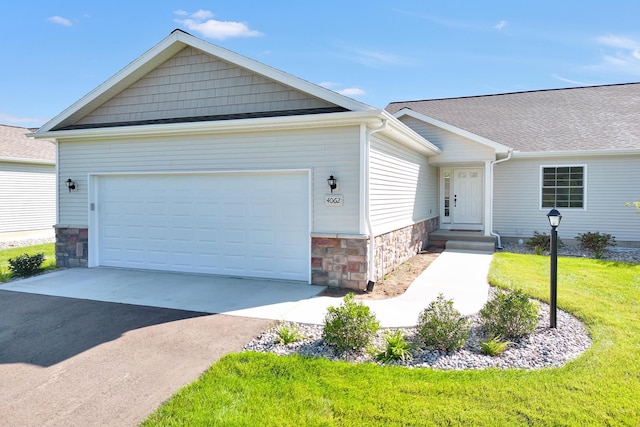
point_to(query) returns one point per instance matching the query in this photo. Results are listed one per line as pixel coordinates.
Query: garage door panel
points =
(253, 224)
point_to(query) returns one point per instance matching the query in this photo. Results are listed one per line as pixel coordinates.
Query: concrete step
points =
(465, 245)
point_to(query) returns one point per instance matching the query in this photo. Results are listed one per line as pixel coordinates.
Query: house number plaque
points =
(333, 200)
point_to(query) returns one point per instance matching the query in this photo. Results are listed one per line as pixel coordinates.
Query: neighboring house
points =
(27, 185)
(194, 158)
(508, 159)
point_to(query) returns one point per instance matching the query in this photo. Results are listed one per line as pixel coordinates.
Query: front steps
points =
(474, 241)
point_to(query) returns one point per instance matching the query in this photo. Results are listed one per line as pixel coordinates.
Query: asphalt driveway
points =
(74, 362)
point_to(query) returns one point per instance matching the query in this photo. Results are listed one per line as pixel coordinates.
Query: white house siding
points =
(324, 151)
(193, 84)
(403, 186)
(611, 182)
(455, 148)
(27, 197)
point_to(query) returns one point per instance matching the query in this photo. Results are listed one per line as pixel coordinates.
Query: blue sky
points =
(54, 52)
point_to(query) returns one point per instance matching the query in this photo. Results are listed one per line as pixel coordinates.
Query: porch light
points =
(332, 183)
(70, 184)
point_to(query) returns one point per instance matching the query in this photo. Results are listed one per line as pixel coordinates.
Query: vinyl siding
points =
(193, 84)
(455, 148)
(326, 151)
(610, 183)
(27, 197)
(404, 187)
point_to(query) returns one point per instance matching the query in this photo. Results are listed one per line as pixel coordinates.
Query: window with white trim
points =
(563, 187)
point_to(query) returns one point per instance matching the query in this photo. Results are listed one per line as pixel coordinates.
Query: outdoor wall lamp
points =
(554, 221)
(332, 183)
(70, 185)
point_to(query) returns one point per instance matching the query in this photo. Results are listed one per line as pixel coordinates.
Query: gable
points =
(193, 85)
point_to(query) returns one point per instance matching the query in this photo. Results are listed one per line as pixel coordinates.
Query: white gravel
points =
(23, 243)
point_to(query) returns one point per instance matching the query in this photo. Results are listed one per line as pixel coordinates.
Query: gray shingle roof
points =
(14, 144)
(585, 118)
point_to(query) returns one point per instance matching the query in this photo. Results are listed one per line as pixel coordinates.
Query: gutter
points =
(371, 278)
(493, 163)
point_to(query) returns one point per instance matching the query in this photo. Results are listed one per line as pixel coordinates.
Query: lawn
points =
(601, 387)
(48, 249)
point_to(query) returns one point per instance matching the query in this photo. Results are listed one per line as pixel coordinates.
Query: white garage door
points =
(238, 224)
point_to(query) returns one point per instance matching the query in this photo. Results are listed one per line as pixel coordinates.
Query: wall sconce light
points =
(70, 185)
(332, 183)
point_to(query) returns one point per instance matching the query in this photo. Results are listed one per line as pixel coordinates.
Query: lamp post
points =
(554, 221)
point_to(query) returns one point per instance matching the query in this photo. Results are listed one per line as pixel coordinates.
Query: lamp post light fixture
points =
(554, 221)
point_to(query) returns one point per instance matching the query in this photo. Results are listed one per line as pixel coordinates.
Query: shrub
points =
(494, 346)
(541, 242)
(595, 242)
(286, 333)
(4, 275)
(442, 327)
(509, 314)
(350, 326)
(26, 265)
(396, 348)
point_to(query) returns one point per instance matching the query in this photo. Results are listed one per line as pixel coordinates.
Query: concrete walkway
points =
(461, 276)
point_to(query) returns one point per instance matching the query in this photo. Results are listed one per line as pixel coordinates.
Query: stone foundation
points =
(396, 247)
(342, 261)
(339, 261)
(72, 246)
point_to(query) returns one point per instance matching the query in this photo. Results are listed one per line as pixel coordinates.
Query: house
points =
(194, 158)
(197, 159)
(508, 159)
(27, 185)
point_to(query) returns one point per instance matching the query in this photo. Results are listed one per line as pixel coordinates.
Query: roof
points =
(16, 146)
(167, 48)
(575, 119)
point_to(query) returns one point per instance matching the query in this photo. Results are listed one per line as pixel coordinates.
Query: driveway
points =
(75, 362)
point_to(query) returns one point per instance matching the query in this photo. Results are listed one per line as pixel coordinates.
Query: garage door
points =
(238, 224)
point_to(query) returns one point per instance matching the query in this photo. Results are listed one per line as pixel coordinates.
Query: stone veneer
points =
(72, 246)
(342, 260)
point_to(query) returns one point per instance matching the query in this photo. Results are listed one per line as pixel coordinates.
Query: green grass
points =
(602, 387)
(48, 249)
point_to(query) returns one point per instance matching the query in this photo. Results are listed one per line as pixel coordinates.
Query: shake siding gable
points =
(403, 186)
(455, 148)
(193, 84)
(27, 197)
(517, 211)
(324, 151)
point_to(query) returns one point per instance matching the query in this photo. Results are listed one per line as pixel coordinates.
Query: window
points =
(563, 186)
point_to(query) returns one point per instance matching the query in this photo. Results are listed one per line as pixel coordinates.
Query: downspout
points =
(493, 163)
(371, 278)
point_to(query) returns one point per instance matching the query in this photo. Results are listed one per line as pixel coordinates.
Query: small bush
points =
(350, 326)
(26, 265)
(4, 275)
(595, 242)
(509, 314)
(286, 333)
(396, 348)
(494, 346)
(442, 327)
(541, 242)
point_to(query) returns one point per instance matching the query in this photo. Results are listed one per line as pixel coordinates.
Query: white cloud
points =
(60, 21)
(12, 120)
(618, 42)
(500, 25)
(620, 55)
(352, 91)
(202, 23)
(573, 82)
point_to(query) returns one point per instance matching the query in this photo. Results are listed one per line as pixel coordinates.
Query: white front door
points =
(463, 195)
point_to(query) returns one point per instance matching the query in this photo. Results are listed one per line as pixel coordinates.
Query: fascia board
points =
(576, 153)
(26, 160)
(225, 126)
(408, 135)
(499, 148)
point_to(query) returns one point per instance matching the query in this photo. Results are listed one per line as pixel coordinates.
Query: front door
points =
(463, 195)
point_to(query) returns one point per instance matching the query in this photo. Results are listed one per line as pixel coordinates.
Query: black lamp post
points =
(554, 221)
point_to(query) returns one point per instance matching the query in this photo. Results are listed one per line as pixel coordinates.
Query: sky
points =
(53, 52)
